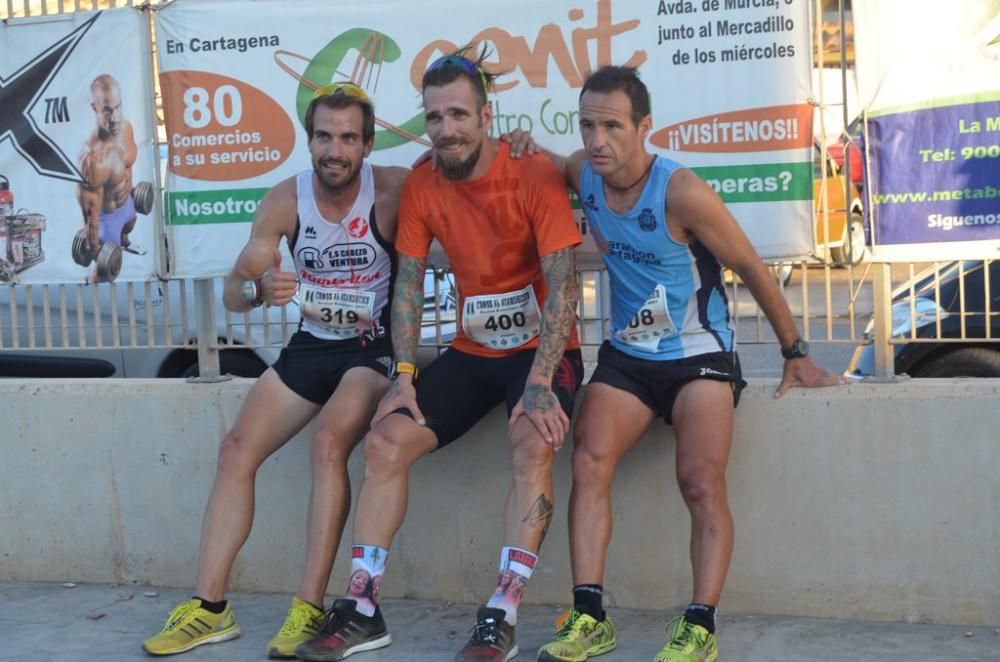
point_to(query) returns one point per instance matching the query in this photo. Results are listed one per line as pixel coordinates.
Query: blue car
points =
(977, 356)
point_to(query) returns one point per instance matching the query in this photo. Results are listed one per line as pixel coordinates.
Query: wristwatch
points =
(797, 350)
(250, 293)
(403, 368)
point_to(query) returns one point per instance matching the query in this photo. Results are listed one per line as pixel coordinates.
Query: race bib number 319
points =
(502, 321)
(341, 313)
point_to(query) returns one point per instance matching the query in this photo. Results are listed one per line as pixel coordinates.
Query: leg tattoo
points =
(540, 512)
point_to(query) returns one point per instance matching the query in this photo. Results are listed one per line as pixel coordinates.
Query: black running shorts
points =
(313, 367)
(657, 383)
(458, 389)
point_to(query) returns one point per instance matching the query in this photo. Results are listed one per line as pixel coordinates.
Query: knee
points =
(330, 450)
(592, 466)
(234, 460)
(703, 487)
(530, 454)
(384, 454)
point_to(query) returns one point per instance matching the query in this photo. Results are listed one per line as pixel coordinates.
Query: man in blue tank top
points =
(664, 235)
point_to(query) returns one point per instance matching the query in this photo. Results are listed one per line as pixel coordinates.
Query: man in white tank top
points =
(339, 220)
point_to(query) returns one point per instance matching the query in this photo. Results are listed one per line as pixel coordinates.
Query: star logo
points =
(18, 96)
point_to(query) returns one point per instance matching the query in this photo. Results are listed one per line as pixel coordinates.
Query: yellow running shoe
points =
(579, 636)
(302, 623)
(688, 643)
(189, 626)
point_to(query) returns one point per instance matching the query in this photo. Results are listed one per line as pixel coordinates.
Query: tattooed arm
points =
(559, 316)
(407, 304)
(538, 403)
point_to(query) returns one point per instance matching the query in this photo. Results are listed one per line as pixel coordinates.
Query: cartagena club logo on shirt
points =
(358, 227)
(647, 220)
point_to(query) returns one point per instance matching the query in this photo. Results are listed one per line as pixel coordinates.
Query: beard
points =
(459, 169)
(330, 184)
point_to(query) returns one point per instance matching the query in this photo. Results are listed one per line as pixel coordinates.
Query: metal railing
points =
(22, 8)
(831, 305)
(12, 9)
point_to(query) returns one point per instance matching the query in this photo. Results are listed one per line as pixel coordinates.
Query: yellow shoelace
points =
(296, 619)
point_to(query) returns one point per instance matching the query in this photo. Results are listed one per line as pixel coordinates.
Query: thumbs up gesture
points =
(277, 286)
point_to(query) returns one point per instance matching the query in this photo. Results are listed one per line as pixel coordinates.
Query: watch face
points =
(797, 350)
(249, 291)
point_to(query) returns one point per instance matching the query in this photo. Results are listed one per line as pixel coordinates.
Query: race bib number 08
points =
(502, 321)
(651, 324)
(341, 313)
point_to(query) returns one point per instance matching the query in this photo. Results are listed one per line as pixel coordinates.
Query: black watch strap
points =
(797, 350)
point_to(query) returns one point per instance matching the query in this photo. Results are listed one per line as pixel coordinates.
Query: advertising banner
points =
(77, 176)
(929, 76)
(729, 81)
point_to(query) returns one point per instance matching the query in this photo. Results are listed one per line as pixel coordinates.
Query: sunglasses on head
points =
(466, 65)
(348, 89)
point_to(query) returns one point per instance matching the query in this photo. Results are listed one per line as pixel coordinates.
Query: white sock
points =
(365, 583)
(516, 566)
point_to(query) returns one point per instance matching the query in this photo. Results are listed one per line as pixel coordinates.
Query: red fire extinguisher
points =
(6, 197)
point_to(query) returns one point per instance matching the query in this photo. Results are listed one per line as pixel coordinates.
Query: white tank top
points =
(344, 267)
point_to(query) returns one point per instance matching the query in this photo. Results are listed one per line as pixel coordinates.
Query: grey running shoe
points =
(346, 631)
(492, 638)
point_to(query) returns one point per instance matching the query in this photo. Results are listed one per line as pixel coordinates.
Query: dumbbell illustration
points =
(142, 195)
(109, 255)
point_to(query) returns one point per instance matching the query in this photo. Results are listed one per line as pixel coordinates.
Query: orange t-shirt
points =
(493, 230)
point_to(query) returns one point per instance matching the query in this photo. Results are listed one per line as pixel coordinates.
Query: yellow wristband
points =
(403, 368)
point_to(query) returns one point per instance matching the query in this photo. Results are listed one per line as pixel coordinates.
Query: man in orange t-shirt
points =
(493, 230)
(509, 233)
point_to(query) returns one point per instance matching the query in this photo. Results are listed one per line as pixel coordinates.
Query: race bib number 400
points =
(651, 323)
(502, 321)
(341, 313)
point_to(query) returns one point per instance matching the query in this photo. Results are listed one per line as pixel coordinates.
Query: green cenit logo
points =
(374, 48)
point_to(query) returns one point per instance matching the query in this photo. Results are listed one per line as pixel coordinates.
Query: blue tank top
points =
(668, 299)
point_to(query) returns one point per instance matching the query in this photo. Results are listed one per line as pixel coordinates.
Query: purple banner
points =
(935, 174)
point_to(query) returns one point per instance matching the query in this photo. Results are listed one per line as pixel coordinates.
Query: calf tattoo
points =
(540, 512)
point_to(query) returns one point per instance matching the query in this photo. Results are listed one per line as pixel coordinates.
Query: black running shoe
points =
(492, 639)
(346, 631)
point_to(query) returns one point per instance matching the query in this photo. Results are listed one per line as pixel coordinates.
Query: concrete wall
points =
(869, 501)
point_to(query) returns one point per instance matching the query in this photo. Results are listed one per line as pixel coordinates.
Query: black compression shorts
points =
(657, 383)
(313, 367)
(458, 389)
